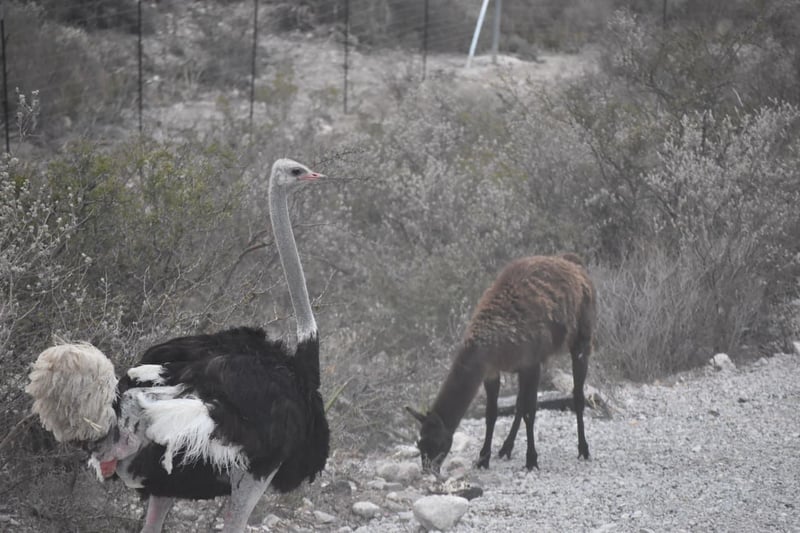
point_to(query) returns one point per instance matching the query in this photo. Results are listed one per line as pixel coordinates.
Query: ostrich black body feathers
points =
(260, 397)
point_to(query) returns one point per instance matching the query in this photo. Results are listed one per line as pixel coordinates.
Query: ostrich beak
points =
(312, 176)
(107, 468)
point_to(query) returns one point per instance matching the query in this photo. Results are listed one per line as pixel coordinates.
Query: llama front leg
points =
(246, 490)
(528, 386)
(492, 387)
(580, 365)
(157, 509)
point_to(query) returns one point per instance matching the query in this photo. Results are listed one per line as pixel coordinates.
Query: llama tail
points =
(573, 258)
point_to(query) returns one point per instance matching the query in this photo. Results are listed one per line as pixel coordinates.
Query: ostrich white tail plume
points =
(73, 388)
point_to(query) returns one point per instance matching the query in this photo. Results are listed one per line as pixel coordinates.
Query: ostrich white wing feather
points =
(184, 425)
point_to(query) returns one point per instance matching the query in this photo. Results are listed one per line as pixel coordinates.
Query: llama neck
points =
(460, 387)
(290, 260)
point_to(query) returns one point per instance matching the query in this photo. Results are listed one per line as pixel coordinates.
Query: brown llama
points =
(536, 307)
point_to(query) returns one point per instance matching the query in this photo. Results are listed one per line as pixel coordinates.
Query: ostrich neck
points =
(290, 260)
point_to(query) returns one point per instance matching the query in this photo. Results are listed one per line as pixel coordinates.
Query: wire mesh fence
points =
(119, 62)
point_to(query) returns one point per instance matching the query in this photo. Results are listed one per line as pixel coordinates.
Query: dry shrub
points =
(660, 314)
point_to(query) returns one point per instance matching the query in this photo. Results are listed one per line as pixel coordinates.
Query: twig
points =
(17, 427)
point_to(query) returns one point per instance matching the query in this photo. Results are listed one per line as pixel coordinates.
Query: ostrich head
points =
(434, 440)
(287, 173)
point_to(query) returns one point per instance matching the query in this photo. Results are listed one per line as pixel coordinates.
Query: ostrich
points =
(205, 415)
(536, 307)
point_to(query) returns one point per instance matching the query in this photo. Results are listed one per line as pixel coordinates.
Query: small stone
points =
(721, 361)
(376, 484)
(366, 509)
(395, 506)
(440, 512)
(407, 472)
(187, 514)
(324, 518)
(405, 451)
(406, 516)
(387, 470)
(339, 486)
(470, 493)
(271, 521)
(403, 472)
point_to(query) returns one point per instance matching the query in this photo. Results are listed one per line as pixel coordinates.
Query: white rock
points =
(460, 441)
(407, 472)
(324, 518)
(406, 516)
(405, 451)
(387, 470)
(440, 512)
(271, 521)
(376, 484)
(721, 361)
(366, 509)
(403, 472)
(796, 347)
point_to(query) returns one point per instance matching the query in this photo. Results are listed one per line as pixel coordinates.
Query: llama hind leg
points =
(492, 387)
(508, 444)
(580, 365)
(528, 386)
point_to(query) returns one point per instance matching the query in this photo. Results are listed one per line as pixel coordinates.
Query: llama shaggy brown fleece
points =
(537, 306)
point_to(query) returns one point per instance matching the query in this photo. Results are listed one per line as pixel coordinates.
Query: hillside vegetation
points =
(670, 165)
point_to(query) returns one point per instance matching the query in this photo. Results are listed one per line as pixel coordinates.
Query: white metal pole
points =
(477, 32)
(498, 9)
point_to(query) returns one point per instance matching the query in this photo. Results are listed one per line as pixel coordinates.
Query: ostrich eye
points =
(296, 171)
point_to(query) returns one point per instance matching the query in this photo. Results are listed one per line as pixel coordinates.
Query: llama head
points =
(434, 440)
(73, 387)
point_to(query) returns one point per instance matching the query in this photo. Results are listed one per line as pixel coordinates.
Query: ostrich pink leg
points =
(245, 493)
(157, 509)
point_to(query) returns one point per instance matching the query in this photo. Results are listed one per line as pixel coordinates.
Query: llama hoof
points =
(483, 461)
(583, 452)
(505, 451)
(531, 462)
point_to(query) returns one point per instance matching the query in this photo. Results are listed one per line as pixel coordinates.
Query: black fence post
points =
(346, 48)
(253, 65)
(425, 41)
(664, 14)
(5, 84)
(139, 59)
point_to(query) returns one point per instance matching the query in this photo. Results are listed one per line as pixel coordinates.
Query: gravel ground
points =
(712, 451)
(708, 451)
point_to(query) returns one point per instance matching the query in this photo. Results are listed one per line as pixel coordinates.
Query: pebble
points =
(721, 361)
(324, 518)
(403, 472)
(271, 521)
(404, 451)
(366, 509)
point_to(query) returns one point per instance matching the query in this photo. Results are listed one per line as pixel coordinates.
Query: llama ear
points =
(416, 414)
